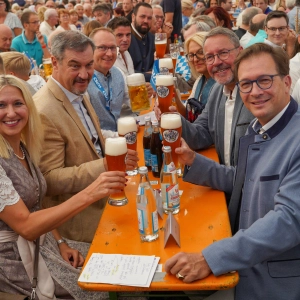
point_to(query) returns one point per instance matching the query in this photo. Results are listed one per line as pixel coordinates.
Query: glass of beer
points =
(138, 92)
(164, 89)
(171, 128)
(115, 153)
(174, 52)
(160, 44)
(127, 128)
(47, 66)
(166, 66)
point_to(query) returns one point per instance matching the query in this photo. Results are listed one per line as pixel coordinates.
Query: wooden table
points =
(203, 219)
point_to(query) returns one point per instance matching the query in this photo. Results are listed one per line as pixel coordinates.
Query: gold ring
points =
(179, 276)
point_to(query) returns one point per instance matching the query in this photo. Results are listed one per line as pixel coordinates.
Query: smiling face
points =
(13, 113)
(103, 61)
(75, 71)
(221, 70)
(277, 31)
(264, 104)
(199, 64)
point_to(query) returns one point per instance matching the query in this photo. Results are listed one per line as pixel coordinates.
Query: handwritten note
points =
(132, 270)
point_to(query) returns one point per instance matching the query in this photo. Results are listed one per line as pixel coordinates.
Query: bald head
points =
(257, 23)
(5, 38)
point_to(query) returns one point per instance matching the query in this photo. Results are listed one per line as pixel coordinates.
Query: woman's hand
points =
(70, 255)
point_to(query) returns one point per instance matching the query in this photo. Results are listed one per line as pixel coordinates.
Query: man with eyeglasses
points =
(31, 41)
(73, 153)
(224, 119)
(107, 90)
(264, 208)
(279, 33)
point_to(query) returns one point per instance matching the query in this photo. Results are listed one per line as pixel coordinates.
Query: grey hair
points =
(200, 25)
(226, 32)
(49, 12)
(77, 5)
(157, 6)
(249, 13)
(69, 40)
(204, 19)
(290, 3)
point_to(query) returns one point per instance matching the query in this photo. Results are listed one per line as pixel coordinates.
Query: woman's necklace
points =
(21, 158)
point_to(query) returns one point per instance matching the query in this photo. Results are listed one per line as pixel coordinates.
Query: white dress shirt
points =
(229, 107)
(126, 66)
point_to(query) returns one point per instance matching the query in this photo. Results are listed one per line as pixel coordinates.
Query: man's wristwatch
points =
(61, 241)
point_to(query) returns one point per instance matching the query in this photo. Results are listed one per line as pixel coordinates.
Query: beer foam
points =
(115, 146)
(165, 80)
(170, 121)
(136, 79)
(166, 63)
(161, 42)
(125, 125)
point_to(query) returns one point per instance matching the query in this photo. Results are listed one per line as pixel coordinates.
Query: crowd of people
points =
(245, 75)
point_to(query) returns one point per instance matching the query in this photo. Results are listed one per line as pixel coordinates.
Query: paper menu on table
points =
(133, 270)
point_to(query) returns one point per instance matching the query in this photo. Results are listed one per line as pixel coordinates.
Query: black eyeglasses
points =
(223, 55)
(199, 55)
(264, 82)
(280, 29)
(105, 48)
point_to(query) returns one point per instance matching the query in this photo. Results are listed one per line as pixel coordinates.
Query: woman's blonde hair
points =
(187, 4)
(32, 133)
(198, 38)
(41, 11)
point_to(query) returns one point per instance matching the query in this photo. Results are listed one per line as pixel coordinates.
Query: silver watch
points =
(61, 241)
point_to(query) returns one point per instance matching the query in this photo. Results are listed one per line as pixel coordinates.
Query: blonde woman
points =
(187, 8)
(22, 221)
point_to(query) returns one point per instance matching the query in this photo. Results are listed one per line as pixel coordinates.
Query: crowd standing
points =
(244, 63)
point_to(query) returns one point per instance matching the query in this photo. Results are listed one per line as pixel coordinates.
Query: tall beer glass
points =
(127, 128)
(160, 44)
(166, 65)
(171, 128)
(138, 92)
(115, 153)
(174, 52)
(47, 66)
(164, 89)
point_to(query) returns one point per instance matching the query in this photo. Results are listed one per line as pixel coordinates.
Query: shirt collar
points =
(25, 39)
(72, 97)
(270, 123)
(230, 94)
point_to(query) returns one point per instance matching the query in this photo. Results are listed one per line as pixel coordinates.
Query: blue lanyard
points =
(102, 90)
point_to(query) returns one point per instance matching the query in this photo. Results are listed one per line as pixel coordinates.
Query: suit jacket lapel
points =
(60, 95)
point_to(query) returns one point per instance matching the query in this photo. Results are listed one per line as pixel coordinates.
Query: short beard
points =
(141, 30)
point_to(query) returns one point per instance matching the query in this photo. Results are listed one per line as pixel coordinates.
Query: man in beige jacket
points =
(73, 153)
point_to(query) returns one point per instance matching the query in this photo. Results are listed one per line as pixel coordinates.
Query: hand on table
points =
(70, 255)
(192, 266)
(186, 156)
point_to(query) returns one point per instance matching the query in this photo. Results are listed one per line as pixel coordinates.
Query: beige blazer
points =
(69, 160)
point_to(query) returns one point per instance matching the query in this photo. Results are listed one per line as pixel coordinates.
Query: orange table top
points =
(203, 219)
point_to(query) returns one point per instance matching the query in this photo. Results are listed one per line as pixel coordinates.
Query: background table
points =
(203, 219)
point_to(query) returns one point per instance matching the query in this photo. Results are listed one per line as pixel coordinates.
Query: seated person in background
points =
(203, 84)
(80, 11)
(142, 46)
(256, 23)
(247, 15)
(5, 38)
(264, 207)
(106, 96)
(103, 13)
(263, 5)
(18, 64)
(51, 19)
(279, 33)
(31, 40)
(73, 153)
(21, 219)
